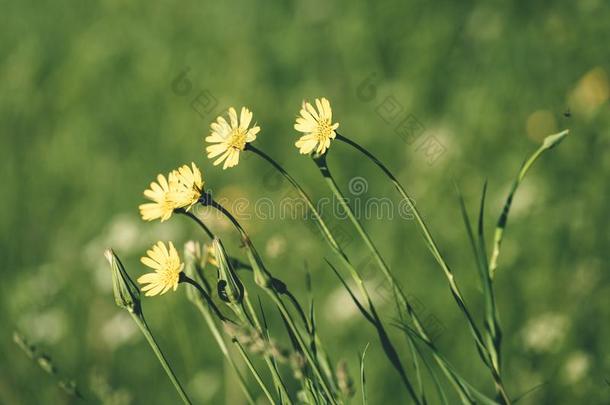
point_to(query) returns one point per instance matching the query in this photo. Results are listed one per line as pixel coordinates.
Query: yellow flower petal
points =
(316, 124)
(229, 139)
(167, 265)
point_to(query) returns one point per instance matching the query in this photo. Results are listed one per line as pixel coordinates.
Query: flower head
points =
(317, 127)
(162, 205)
(182, 188)
(229, 139)
(167, 265)
(188, 185)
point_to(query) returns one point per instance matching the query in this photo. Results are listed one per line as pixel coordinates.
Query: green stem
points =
(493, 334)
(549, 142)
(139, 319)
(328, 236)
(297, 334)
(274, 372)
(186, 279)
(258, 266)
(253, 321)
(432, 246)
(399, 295)
(223, 348)
(258, 378)
(371, 314)
(197, 220)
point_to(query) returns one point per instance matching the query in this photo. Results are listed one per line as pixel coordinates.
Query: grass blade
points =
(549, 143)
(362, 375)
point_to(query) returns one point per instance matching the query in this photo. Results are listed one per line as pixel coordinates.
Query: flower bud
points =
(126, 292)
(553, 140)
(230, 288)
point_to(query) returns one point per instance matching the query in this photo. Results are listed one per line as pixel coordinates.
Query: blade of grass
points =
(401, 299)
(388, 349)
(362, 375)
(480, 397)
(492, 331)
(492, 322)
(432, 246)
(141, 322)
(253, 370)
(192, 269)
(549, 143)
(264, 279)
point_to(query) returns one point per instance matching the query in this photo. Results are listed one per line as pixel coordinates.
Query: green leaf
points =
(549, 142)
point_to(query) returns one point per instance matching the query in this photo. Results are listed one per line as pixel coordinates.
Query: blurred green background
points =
(89, 115)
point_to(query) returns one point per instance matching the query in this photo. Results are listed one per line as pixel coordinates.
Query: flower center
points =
(324, 129)
(170, 271)
(238, 139)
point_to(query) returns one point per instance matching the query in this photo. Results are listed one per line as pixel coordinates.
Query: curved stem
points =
(258, 266)
(257, 377)
(427, 236)
(141, 322)
(186, 279)
(223, 348)
(252, 319)
(370, 314)
(196, 219)
(328, 236)
(319, 221)
(432, 246)
(206, 200)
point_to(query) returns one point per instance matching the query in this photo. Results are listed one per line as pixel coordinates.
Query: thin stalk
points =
(258, 266)
(328, 236)
(425, 231)
(186, 279)
(399, 295)
(258, 378)
(225, 351)
(549, 142)
(197, 220)
(363, 376)
(371, 313)
(251, 319)
(139, 319)
(432, 246)
(480, 398)
(310, 358)
(493, 334)
(270, 364)
(492, 323)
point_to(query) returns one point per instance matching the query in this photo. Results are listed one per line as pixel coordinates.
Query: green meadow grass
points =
(99, 98)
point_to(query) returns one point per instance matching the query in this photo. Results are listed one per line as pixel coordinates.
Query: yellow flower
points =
(162, 205)
(230, 139)
(187, 188)
(182, 188)
(317, 127)
(167, 266)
